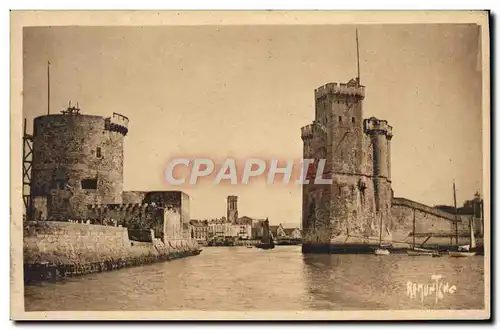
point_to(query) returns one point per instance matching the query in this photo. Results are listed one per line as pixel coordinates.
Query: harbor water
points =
(243, 279)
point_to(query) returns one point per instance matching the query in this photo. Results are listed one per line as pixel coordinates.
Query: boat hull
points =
(265, 246)
(413, 253)
(382, 252)
(457, 254)
(288, 243)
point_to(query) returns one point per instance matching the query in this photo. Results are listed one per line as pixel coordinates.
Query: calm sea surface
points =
(238, 278)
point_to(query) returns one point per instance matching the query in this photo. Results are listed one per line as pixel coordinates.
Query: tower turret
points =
(380, 133)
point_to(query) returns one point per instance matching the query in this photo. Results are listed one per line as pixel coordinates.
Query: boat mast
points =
(472, 236)
(48, 87)
(414, 228)
(380, 231)
(358, 80)
(455, 204)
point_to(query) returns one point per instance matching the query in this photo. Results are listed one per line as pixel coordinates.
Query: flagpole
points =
(456, 211)
(48, 87)
(357, 56)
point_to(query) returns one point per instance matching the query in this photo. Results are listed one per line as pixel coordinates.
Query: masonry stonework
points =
(77, 160)
(354, 211)
(77, 174)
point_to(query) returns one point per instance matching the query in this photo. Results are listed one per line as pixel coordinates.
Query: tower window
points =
(89, 183)
(98, 152)
(340, 119)
(58, 184)
(353, 120)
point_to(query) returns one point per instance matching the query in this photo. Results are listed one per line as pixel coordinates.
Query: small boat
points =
(463, 250)
(382, 252)
(420, 252)
(197, 252)
(249, 247)
(265, 246)
(267, 242)
(415, 251)
(382, 249)
(461, 254)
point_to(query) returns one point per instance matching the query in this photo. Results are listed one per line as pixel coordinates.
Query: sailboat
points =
(267, 240)
(464, 250)
(381, 249)
(415, 251)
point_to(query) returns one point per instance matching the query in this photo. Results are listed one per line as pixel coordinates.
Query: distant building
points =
(274, 231)
(471, 209)
(220, 228)
(199, 230)
(280, 231)
(245, 220)
(293, 233)
(217, 229)
(287, 233)
(232, 208)
(243, 231)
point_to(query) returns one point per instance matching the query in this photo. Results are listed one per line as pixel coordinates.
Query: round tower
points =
(380, 133)
(77, 160)
(314, 139)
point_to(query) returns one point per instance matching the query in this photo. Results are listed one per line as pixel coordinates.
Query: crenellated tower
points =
(380, 134)
(352, 211)
(336, 135)
(77, 160)
(339, 107)
(357, 154)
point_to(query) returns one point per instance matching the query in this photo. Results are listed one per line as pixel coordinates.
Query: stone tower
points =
(77, 160)
(380, 135)
(357, 162)
(232, 208)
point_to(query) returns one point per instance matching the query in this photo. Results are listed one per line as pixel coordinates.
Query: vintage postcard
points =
(212, 165)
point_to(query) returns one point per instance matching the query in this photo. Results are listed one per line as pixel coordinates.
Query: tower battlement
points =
(130, 207)
(373, 125)
(117, 123)
(308, 131)
(349, 89)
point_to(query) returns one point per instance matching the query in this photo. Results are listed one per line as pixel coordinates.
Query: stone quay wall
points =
(427, 220)
(55, 250)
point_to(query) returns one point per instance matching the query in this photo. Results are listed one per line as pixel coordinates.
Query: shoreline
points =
(57, 250)
(370, 249)
(35, 273)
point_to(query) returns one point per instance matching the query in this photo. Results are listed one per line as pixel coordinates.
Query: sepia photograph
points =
(250, 165)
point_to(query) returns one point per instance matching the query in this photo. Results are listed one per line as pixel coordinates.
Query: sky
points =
(245, 91)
